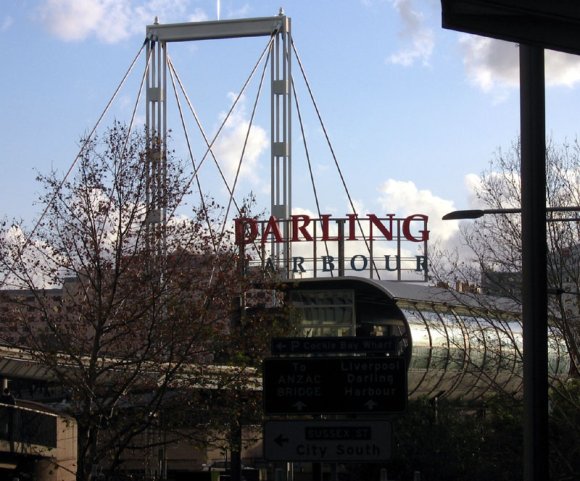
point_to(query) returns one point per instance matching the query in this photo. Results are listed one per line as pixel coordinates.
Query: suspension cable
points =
(250, 124)
(195, 175)
(307, 153)
(28, 239)
(133, 116)
(327, 137)
(211, 143)
(204, 208)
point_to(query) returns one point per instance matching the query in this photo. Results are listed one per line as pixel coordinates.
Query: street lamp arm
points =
(477, 213)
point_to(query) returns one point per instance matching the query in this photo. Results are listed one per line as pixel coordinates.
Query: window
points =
(325, 313)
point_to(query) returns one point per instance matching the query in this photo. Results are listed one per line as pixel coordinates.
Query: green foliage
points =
(565, 431)
(447, 441)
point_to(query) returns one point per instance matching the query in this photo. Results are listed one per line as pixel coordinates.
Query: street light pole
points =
(534, 259)
(543, 25)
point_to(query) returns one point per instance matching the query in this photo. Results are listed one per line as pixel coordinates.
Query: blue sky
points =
(414, 112)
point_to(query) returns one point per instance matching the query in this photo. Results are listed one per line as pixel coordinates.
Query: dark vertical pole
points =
(534, 259)
(341, 262)
(316, 471)
(236, 455)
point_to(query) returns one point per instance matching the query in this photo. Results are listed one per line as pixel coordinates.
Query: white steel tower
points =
(158, 35)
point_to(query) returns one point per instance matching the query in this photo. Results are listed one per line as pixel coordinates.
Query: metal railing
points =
(27, 426)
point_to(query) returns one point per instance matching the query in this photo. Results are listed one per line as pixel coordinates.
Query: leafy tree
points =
(130, 314)
(447, 440)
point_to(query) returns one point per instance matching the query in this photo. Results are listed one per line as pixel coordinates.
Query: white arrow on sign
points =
(299, 405)
(370, 404)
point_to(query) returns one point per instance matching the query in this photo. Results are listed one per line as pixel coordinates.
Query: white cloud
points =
(562, 69)
(490, 64)
(415, 34)
(26, 259)
(404, 198)
(493, 65)
(110, 21)
(472, 184)
(229, 146)
(71, 19)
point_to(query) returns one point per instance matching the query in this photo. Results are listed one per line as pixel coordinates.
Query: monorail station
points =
(457, 346)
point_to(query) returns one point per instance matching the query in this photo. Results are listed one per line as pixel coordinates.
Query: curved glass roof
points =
(456, 345)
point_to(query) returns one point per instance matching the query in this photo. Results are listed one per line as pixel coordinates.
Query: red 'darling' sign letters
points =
(247, 230)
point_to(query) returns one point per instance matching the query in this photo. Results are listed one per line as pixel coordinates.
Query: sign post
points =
(336, 345)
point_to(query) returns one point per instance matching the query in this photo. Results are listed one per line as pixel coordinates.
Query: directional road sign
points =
(335, 345)
(335, 385)
(327, 441)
